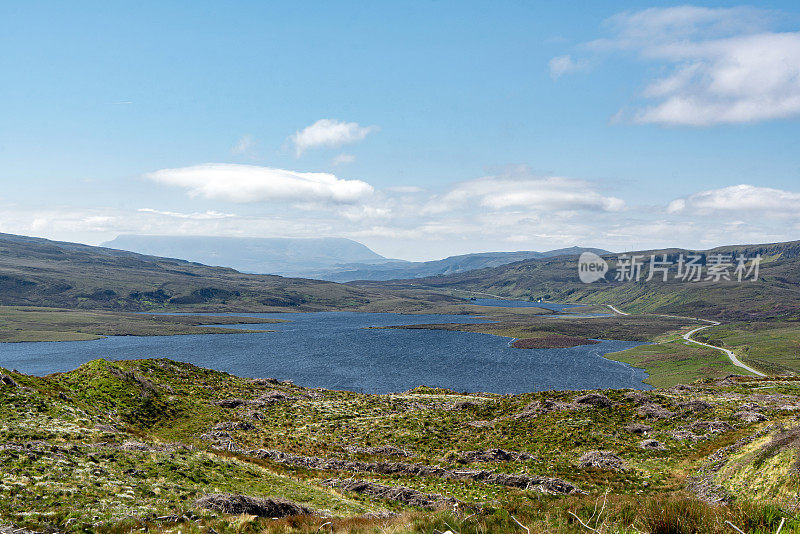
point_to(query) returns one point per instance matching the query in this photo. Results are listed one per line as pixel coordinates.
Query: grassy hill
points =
(776, 294)
(39, 272)
(160, 446)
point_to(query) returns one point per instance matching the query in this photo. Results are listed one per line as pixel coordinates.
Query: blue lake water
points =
(502, 303)
(337, 350)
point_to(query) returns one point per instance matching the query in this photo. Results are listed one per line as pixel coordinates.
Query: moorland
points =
(161, 446)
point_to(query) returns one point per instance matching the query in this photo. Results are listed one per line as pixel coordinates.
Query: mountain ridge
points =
(331, 259)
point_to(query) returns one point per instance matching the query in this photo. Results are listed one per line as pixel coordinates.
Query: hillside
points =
(281, 256)
(775, 295)
(39, 272)
(160, 446)
(451, 265)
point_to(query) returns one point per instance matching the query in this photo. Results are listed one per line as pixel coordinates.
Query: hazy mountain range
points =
(281, 256)
(333, 259)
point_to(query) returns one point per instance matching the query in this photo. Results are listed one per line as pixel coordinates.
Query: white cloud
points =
(250, 183)
(724, 65)
(343, 159)
(531, 193)
(744, 199)
(244, 145)
(329, 133)
(561, 65)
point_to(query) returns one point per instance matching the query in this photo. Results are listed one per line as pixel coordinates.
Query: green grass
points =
(60, 470)
(45, 324)
(676, 361)
(771, 346)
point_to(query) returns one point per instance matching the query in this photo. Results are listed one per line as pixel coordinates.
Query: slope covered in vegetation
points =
(166, 446)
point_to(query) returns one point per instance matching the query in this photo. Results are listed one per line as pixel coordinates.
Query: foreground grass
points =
(123, 446)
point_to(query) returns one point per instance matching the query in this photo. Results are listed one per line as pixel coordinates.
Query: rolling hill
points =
(776, 294)
(40, 272)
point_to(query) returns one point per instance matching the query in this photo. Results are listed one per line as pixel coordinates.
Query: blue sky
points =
(421, 129)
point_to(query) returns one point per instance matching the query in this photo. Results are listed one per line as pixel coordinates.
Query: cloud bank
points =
(513, 210)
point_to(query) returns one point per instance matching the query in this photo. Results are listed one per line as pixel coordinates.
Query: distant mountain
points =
(392, 270)
(331, 259)
(281, 256)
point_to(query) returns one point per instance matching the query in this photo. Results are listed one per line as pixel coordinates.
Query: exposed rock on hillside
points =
(710, 426)
(230, 503)
(695, 405)
(652, 444)
(400, 494)
(655, 411)
(494, 455)
(594, 399)
(602, 460)
(6, 380)
(384, 450)
(638, 428)
(535, 483)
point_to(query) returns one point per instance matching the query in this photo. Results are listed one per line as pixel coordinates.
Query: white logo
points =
(591, 267)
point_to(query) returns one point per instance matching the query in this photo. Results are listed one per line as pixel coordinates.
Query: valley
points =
(453, 402)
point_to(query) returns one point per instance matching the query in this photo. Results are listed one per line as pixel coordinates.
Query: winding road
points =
(688, 337)
(734, 360)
